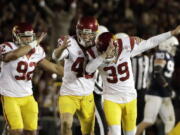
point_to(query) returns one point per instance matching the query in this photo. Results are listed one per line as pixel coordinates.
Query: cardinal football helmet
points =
(86, 30)
(23, 30)
(103, 41)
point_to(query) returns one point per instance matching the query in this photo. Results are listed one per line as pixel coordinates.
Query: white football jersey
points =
(74, 80)
(118, 83)
(16, 75)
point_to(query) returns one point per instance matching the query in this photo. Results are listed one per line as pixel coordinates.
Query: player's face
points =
(26, 39)
(87, 37)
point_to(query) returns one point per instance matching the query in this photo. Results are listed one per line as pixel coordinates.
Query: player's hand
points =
(42, 36)
(65, 43)
(176, 31)
(110, 50)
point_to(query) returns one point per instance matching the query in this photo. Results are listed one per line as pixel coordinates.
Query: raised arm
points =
(154, 41)
(49, 66)
(61, 52)
(23, 50)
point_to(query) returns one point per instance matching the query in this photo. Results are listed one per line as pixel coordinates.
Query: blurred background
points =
(143, 18)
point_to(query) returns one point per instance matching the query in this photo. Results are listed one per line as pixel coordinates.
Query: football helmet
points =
(23, 33)
(103, 41)
(101, 29)
(86, 30)
(170, 45)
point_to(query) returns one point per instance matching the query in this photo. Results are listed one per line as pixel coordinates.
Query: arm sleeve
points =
(5, 48)
(150, 43)
(64, 55)
(42, 54)
(94, 64)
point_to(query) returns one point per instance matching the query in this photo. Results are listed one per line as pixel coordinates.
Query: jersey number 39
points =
(122, 69)
(22, 67)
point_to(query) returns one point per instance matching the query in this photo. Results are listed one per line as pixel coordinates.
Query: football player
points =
(100, 124)
(158, 97)
(19, 59)
(112, 57)
(76, 92)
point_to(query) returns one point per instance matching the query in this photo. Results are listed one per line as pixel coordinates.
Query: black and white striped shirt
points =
(98, 84)
(142, 69)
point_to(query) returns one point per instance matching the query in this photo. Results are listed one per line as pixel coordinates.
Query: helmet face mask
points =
(24, 40)
(23, 34)
(86, 30)
(86, 38)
